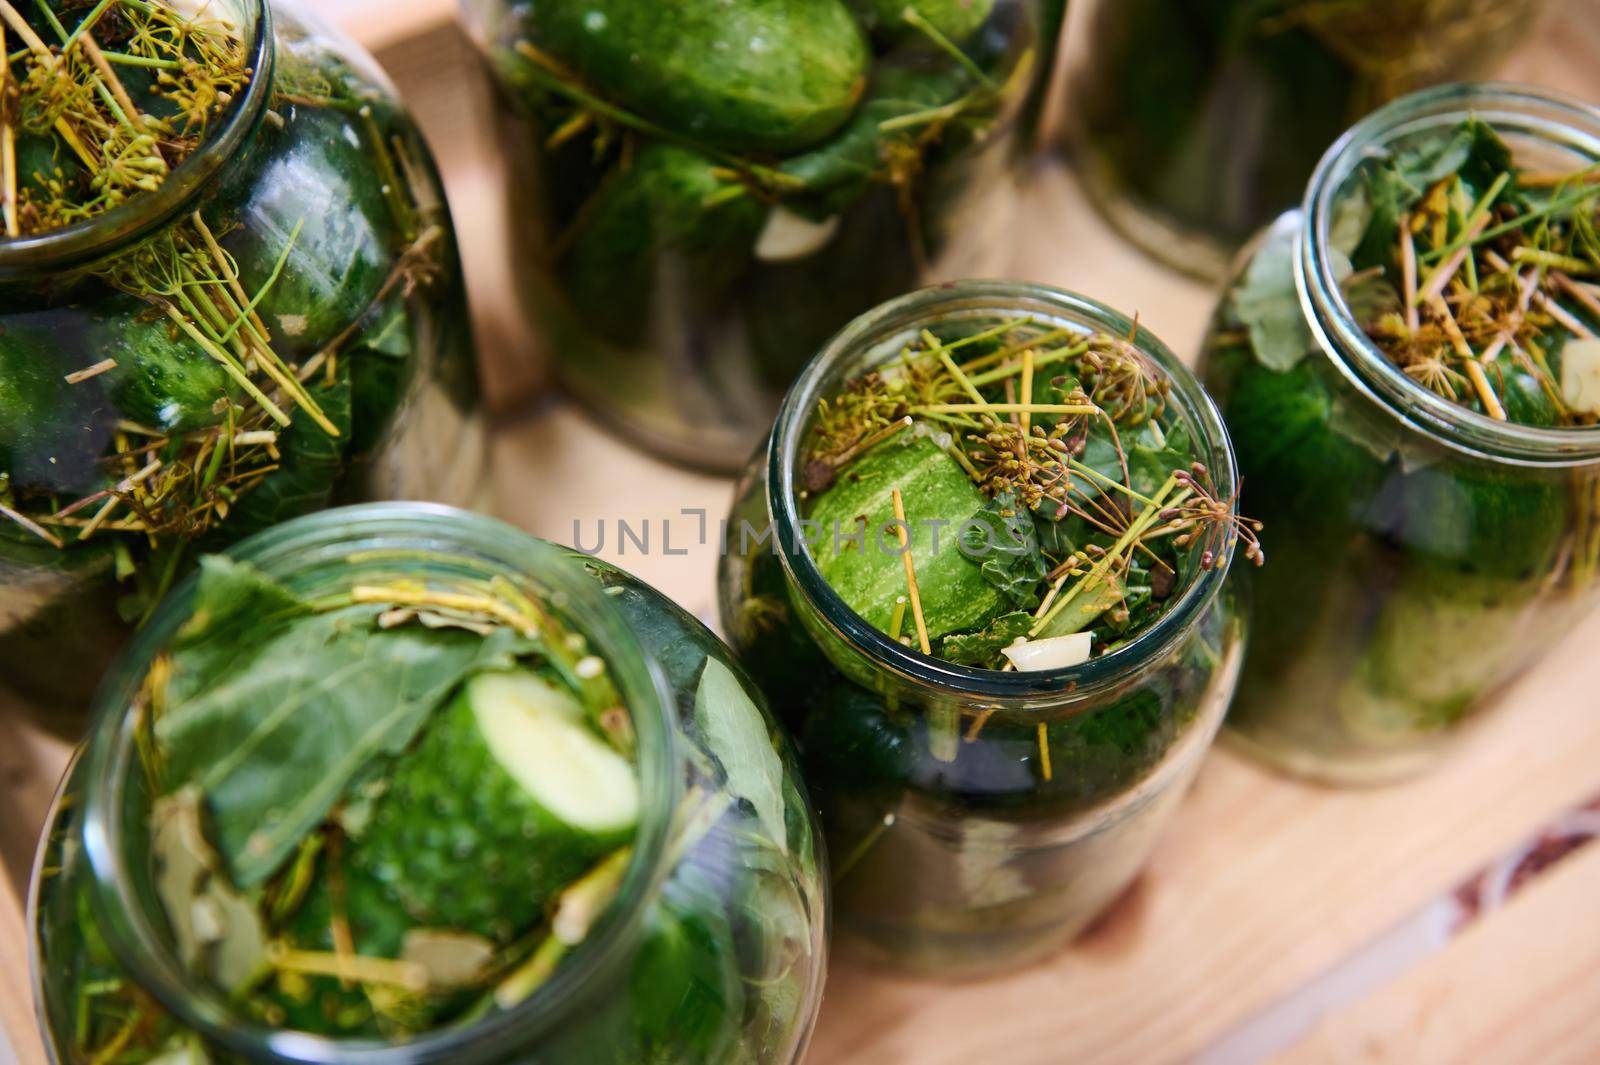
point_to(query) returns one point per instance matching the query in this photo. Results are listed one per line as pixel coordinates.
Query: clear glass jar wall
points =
(713, 950)
(692, 225)
(1422, 555)
(1197, 123)
(958, 856)
(314, 214)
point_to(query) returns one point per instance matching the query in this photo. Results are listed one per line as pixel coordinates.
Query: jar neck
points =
(312, 556)
(1560, 131)
(40, 255)
(879, 335)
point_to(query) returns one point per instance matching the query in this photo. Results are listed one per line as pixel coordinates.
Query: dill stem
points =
(32, 526)
(391, 971)
(531, 974)
(1578, 292)
(987, 334)
(1136, 529)
(70, 135)
(863, 845)
(1000, 373)
(1554, 205)
(127, 60)
(1562, 315)
(1408, 271)
(1480, 384)
(550, 74)
(83, 27)
(225, 267)
(229, 364)
(955, 371)
(1009, 408)
(1109, 482)
(1002, 354)
(1442, 273)
(897, 620)
(914, 18)
(1452, 328)
(947, 419)
(902, 531)
(120, 106)
(1026, 388)
(35, 43)
(118, 91)
(8, 163)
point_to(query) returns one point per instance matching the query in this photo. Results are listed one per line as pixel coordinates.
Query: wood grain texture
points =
(1521, 985)
(16, 995)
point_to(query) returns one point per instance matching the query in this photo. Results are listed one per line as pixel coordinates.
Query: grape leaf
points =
(275, 734)
(736, 731)
(1000, 537)
(981, 648)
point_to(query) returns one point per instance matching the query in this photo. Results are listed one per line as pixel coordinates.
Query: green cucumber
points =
(654, 228)
(52, 433)
(313, 175)
(870, 575)
(756, 75)
(162, 378)
(505, 800)
(1481, 519)
(1441, 642)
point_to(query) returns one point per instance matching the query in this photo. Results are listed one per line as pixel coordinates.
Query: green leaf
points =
(1001, 539)
(981, 648)
(735, 730)
(301, 709)
(1485, 159)
(1424, 164)
(239, 602)
(837, 171)
(1268, 305)
(1389, 196)
(1154, 457)
(218, 930)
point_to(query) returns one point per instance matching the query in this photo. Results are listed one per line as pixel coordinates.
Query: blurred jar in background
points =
(1196, 121)
(705, 191)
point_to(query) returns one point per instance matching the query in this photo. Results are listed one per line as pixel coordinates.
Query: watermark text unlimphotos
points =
(692, 528)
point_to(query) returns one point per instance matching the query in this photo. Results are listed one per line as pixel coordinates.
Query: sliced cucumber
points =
(506, 799)
(536, 732)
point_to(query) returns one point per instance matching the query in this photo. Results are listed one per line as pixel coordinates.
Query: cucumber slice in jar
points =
(506, 799)
(537, 734)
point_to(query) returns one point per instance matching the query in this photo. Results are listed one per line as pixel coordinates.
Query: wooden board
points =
(1275, 919)
(1522, 987)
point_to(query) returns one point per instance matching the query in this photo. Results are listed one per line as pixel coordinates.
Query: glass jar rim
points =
(1558, 118)
(1002, 688)
(303, 542)
(25, 257)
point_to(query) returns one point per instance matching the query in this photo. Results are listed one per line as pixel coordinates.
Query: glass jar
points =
(1422, 555)
(957, 856)
(315, 198)
(1195, 124)
(691, 227)
(712, 951)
